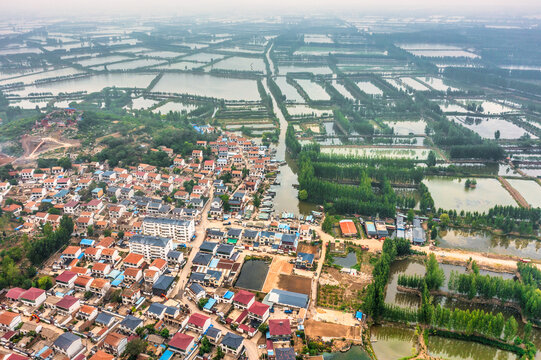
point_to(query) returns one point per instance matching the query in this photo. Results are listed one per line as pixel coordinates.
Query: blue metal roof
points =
(229, 295)
(61, 193)
(214, 263)
(87, 242)
(45, 348)
(210, 304)
(157, 308)
(114, 273)
(306, 257)
(117, 281)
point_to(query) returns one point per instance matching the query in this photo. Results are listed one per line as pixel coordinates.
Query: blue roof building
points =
(87, 242)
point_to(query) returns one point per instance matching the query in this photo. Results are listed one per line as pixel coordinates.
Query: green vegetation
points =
(348, 199)
(528, 297)
(374, 301)
(529, 274)
(205, 346)
(134, 348)
(508, 219)
(50, 241)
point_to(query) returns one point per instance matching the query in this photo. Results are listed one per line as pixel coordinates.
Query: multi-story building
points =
(151, 247)
(176, 229)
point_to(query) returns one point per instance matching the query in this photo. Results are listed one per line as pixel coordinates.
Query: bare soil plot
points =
(279, 265)
(342, 291)
(307, 248)
(295, 283)
(321, 329)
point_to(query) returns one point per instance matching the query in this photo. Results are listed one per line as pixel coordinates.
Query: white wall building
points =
(178, 230)
(151, 247)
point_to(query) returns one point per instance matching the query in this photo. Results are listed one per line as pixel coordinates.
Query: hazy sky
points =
(77, 8)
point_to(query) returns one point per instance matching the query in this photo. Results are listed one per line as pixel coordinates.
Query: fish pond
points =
(208, 85)
(252, 275)
(392, 342)
(481, 241)
(450, 193)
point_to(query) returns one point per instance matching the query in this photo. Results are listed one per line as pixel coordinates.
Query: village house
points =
(68, 344)
(9, 320)
(115, 343)
(198, 323)
(182, 343)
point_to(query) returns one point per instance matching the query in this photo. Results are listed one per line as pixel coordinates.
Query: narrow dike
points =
(514, 193)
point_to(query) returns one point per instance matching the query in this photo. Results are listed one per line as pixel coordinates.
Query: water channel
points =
(480, 241)
(286, 194)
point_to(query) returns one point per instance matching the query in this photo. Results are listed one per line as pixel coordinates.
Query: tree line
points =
(480, 325)
(374, 301)
(528, 297)
(336, 171)
(461, 142)
(529, 274)
(346, 198)
(363, 198)
(50, 241)
(508, 218)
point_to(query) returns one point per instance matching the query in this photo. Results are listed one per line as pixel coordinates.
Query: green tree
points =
(116, 297)
(528, 331)
(45, 283)
(327, 224)
(263, 328)
(511, 328)
(226, 177)
(411, 215)
(65, 163)
(303, 195)
(444, 220)
(202, 302)
(205, 346)
(257, 200)
(497, 134)
(134, 348)
(434, 232)
(219, 354)
(54, 211)
(225, 200)
(431, 159)
(164, 333)
(434, 274)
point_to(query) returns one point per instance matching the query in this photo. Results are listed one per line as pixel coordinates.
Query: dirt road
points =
(514, 193)
(495, 263)
(34, 146)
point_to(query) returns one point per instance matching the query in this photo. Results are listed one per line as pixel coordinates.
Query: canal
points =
(286, 199)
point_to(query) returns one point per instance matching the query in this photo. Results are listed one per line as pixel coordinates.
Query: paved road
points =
(200, 232)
